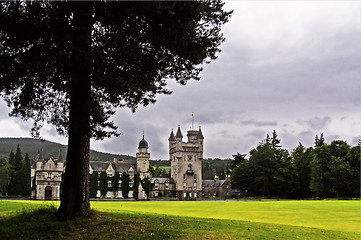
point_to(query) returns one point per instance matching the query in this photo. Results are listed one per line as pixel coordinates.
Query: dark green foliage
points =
(93, 184)
(16, 182)
(332, 171)
(147, 186)
(238, 158)
(24, 176)
(302, 158)
(103, 183)
(5, 175)
(31, 146)
(115, 182)
(136, 186)
(125, 184)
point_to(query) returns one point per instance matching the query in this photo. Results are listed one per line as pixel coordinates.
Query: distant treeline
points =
(325, 170)
(32, 146)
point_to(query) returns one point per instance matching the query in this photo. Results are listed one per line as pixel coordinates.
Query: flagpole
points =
(192, 121)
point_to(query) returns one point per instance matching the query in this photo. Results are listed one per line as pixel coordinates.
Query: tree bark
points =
(75, 192)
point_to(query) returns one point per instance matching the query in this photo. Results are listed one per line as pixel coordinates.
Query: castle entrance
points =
(48, 193)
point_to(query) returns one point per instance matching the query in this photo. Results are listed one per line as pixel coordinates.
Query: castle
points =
(185, 182)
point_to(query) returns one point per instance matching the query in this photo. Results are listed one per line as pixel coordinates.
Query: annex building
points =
(185, 182)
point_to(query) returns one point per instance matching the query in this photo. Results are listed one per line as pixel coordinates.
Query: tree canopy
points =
(134, 48)
(71, 64)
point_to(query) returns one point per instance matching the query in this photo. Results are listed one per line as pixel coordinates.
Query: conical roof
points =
(179, 133)
(171, 137)
(200, 134)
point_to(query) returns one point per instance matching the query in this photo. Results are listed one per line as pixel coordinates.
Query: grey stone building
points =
(185, 182)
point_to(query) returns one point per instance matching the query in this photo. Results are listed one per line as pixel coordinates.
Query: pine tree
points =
(91, 57)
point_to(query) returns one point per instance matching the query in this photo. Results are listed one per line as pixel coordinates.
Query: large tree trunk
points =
(75, 192)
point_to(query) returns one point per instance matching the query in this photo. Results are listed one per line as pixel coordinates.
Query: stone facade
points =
(186, 163)
(185, 182)
(46, 177)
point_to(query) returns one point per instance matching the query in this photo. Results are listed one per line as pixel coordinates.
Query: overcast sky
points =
(289, 66)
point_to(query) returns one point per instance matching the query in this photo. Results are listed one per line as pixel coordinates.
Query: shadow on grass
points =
(41, 224)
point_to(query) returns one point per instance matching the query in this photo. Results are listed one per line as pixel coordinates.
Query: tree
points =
(72, 63)
(125, 184)
(93, 184)
(16, 162)
(24, 176)
(302, 158)
(238, 158)
(147, 186)
(5, 175)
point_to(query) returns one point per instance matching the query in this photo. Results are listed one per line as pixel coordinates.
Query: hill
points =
(31, 146)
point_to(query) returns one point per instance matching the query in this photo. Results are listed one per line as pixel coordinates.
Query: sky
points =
(288, 66)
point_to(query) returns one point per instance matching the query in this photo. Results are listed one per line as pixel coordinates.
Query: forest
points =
(322, 171)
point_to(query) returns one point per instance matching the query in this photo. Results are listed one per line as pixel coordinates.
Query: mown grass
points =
(330, 215)
(33, 220)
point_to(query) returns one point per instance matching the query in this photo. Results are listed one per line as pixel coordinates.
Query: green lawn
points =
(331, 215)
(186, 220)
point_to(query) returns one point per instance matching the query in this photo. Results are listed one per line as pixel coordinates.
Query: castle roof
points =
(101, 166)
(179, 133)
(200, 134)
(143, 143)
(171, 137)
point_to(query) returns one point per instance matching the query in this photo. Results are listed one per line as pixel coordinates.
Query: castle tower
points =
(142, 166)
(143, 159)
(186, 163)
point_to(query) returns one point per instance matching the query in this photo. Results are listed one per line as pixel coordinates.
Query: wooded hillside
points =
(31, 146)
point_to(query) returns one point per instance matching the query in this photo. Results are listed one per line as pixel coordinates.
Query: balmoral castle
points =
(185, 182)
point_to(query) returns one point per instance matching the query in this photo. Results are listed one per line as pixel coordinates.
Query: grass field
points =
(188, 220)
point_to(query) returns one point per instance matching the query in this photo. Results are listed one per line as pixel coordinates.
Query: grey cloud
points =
(259, 123)
(318, 123)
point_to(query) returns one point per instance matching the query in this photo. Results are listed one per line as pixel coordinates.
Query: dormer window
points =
(156, 185)
(110, 174)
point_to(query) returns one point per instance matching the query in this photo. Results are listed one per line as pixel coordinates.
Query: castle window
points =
(189, 167)
(195, 185)
(156, 185)
(184, 185)
(195, 195)
(98, 174)
(131, 183)
(120, 183)
(166, 185)
(131, 174)
(195, 177)
(110, 174)
(109, 183)
(184, 177)
(98, 183)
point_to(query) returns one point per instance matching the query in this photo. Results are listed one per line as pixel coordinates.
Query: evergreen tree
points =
(238, 158)
(93, 184)
(5, 175)
(24, 176)
(147, 186)
(302, 158)
(16, 180)
(136, 186)
(92, 57)
(125, 184)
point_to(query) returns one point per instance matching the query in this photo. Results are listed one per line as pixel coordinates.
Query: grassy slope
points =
(127, 225)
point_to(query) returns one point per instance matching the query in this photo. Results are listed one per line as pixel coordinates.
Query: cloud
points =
(318, 123)
(259, 123)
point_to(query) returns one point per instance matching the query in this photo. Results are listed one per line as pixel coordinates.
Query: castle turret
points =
(179, 135)
(143, 159)
(186, 163)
